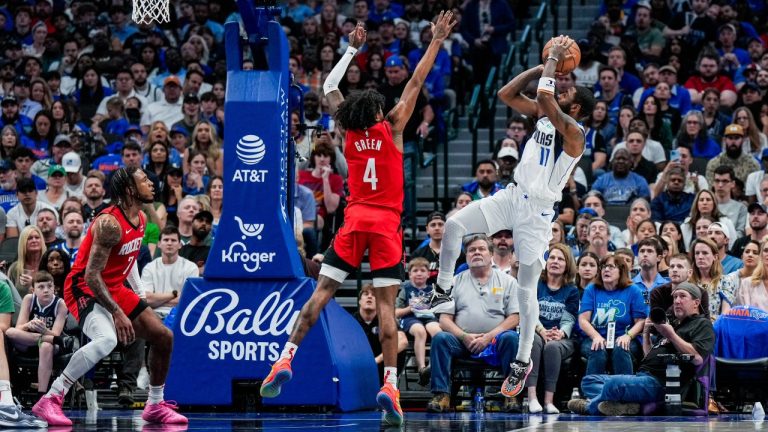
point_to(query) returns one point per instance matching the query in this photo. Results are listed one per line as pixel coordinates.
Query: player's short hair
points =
(366, 287)
(682, 257)
(168, 230)
(468, 240)
(359, 110)
(652, 242)
(418, 262)
(42, 276)
(586, 100)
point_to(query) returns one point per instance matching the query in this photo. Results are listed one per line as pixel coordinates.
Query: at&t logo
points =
(250, 150)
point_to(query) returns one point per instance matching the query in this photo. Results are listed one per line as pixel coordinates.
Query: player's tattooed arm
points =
(402, 111)
(512, 93)
(107, 234)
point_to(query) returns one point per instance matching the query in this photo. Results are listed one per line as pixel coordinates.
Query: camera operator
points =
(689, 333)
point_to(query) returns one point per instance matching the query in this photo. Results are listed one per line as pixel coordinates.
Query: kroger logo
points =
(249, 230)
(251, 149)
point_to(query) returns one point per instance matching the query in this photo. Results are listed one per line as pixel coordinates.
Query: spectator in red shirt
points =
(709, 76)
(327, 186)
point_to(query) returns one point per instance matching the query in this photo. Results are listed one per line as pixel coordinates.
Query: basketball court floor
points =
(119, 421)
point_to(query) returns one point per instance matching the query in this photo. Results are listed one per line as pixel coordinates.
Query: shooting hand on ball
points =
(560, 47)
(357, 36)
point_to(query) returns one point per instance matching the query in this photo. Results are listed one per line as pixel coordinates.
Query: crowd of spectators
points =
(85, 90)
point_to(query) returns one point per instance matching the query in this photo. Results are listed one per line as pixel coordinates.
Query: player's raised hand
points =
(559, 48)
(357, 36)
(442, 27)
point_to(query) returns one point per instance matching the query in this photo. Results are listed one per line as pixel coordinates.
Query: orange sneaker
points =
(389, 401)
(280, 374)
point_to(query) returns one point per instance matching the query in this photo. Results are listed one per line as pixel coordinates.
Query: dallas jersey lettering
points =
(121, 258)
(375, 178)
(47, 313)
(544, 167)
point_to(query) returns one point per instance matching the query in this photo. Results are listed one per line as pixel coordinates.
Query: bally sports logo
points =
(250, 150)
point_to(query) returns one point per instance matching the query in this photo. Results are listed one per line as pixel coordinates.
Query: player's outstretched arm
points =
(106, 234)
(331, 84)
(401, 113)
(512, 93)
(573, 137)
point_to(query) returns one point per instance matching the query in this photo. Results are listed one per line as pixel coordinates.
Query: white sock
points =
(289, 351)
(390, 375)
(155, 394)
(6, 398)
(61, 385)
(552, 409)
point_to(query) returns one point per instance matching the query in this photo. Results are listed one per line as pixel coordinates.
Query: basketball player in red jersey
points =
(374, 151)
(107, 311)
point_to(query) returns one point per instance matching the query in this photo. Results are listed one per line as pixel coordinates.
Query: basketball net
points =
(149, 11)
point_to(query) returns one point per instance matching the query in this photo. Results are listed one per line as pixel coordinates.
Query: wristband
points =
(631, 336)
(546, 85)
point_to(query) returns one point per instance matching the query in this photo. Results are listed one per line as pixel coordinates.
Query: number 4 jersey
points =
(544, 167)
(121, 259)
(375, 180)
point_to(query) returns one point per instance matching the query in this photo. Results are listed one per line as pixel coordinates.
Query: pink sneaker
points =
(48, 408)
(163, 412)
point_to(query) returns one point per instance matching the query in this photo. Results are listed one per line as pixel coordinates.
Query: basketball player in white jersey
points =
(529, 207)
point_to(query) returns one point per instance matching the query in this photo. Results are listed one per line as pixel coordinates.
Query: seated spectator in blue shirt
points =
(694, 134)
(11, 116)
(721, 235)
(621, 186)
(196, 181)
(40, 137)
(649, 253)
(674, 203)
(485, 183)
(612, 300)
(115, 125)
(385, 9)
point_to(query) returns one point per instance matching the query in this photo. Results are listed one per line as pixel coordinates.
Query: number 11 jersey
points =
(544, 167)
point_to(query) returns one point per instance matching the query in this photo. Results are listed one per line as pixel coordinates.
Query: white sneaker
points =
(551, 409)
(534, 407)
(142, 381)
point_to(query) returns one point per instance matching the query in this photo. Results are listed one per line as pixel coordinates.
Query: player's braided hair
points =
(123, 187)
(359, 110)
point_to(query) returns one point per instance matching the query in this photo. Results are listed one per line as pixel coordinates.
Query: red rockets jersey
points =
(122, 257)
(375, 168)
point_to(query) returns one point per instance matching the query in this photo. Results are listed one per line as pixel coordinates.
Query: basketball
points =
(571, 60)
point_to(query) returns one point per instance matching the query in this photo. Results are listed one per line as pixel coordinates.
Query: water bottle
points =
(525, 405)
(575, 393)
(479, 401)
(758, 413)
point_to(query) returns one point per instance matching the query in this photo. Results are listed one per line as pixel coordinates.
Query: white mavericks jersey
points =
(544, 167)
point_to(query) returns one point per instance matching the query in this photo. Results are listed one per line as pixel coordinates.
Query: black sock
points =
(59, 341)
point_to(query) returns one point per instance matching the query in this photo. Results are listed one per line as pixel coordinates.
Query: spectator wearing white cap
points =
(507, 160)
(75, 180)
(721, 234)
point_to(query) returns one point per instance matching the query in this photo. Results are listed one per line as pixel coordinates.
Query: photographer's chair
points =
(695, 394)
